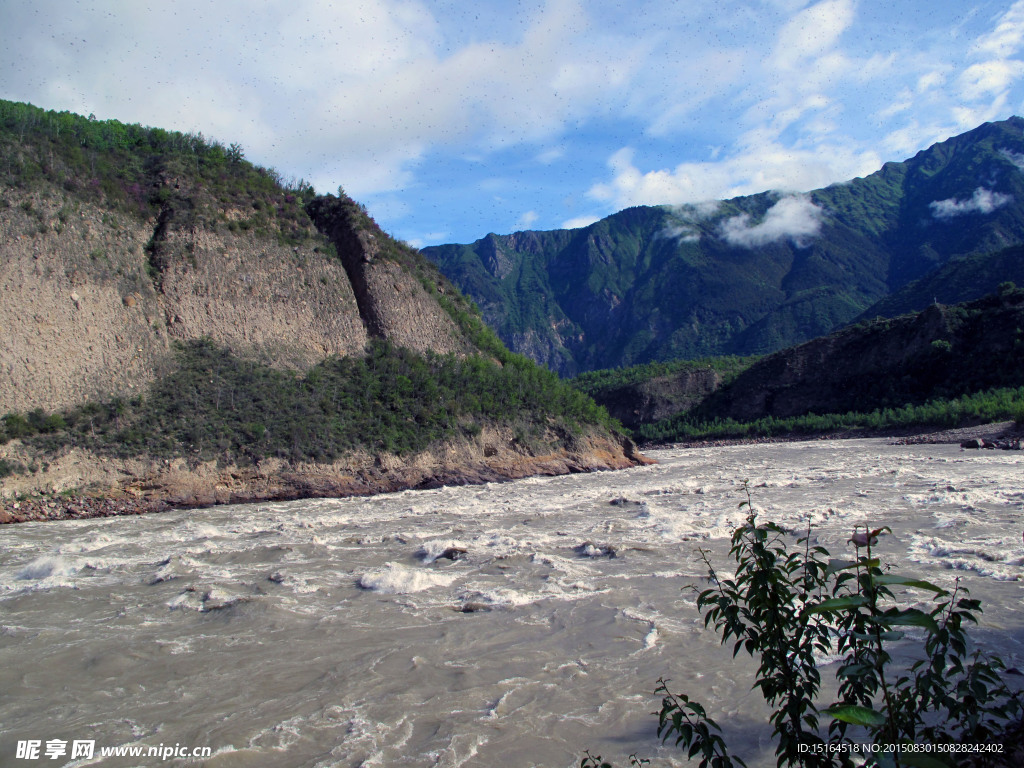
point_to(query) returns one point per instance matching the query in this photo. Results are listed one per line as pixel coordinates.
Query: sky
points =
(450, 120)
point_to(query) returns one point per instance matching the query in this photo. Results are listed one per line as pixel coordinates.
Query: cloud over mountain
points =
(982, 201)
(795, 218)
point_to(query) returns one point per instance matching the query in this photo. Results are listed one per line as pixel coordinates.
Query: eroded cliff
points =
(93, 297)
(167, 307)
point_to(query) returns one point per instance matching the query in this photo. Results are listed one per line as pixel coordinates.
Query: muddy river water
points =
(342, 633)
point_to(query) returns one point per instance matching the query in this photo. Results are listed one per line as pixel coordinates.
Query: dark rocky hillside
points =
(651, 392)
(749, 275)
(941, 352)
(962, 278)
(946, 366)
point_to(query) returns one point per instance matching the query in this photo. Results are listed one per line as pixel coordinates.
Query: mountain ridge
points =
(947, 365)
(747, 275)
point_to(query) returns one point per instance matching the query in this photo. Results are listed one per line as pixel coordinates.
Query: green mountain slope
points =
(962, 278)
(748, 275)
(173, 318)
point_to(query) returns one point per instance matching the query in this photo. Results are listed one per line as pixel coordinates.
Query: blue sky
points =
(450, 120)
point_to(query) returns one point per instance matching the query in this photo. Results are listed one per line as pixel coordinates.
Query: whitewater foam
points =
(397, 579)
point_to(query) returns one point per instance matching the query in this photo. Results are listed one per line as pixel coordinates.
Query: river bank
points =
(992, 431)
(79, 485)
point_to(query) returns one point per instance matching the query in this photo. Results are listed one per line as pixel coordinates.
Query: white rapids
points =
(512, 624)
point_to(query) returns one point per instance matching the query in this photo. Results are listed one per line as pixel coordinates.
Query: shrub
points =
(217, 405)
(16, 425)
(785, 605)
(8, 467)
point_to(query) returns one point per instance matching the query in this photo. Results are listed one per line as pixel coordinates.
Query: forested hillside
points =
(749, 275)
(945, 366)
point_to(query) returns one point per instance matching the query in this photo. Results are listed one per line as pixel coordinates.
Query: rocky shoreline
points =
(146, 486)
(154, 487)
(995, 432)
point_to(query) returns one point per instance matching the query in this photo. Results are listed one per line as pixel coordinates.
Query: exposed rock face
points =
(135, 261)
(93, 298)
(393, 304)
(79, 315)
(290, 306)
(660, 397)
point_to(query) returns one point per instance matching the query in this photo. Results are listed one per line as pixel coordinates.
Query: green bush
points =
(16, 425)
(215, 405)
(784, 605)
(126, 167)
(1003, 403)
(595, 383)
(8, 467)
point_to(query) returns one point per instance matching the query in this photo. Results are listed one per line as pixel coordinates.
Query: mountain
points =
(945, 365)
(182, 326)
(648, 393)
(910, 370)
(748, 275)
(940, 352)
(962, 278)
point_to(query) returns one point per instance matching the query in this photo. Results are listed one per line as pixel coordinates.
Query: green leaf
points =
(836, 604)
(856, 715)
(891, 578)
(909, 617)
(834, 566)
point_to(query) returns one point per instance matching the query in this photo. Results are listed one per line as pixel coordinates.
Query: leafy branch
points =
(786, 605)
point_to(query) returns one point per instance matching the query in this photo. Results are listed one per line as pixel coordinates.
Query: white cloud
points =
(579, 222)
(526, 221)
(789, 138)
(693, 213)
(812, 32)
(754, 168)
(431, 238)
(684, 218)
(680, 232)
(549, 156)
(1007, 37)
(903, 102)
(930, 80)
(794, 218)
(989, 78)
(984, 87)
(982, 201)
(352, 93)
(953, 83)
(796, 94)
(1014, 157)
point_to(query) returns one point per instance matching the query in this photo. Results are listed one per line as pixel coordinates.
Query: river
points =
(336, 633)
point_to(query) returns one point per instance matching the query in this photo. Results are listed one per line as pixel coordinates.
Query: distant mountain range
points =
(756, 274)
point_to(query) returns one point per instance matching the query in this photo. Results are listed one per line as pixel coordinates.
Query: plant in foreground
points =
(787, 606)
(595, 761)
